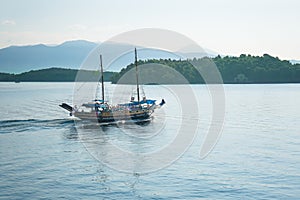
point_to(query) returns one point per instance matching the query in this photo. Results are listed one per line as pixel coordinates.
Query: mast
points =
(137, 77)
(102, 79)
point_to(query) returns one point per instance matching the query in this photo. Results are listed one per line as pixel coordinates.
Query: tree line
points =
(242, 69)
(55, 75)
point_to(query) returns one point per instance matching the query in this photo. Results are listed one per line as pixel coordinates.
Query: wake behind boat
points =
(105, 113)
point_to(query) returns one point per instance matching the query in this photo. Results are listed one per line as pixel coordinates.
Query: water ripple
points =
(9, 126)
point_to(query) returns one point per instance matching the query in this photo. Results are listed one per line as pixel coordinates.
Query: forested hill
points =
(242, 69)
(55, 75)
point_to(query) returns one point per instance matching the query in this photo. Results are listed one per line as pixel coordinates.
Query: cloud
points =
(8, 22)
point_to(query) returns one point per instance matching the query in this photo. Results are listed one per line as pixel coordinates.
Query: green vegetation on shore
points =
(55, 75)
(242, 69)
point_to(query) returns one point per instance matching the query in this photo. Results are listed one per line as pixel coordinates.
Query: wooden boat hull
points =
(126, 116)
(114, 117)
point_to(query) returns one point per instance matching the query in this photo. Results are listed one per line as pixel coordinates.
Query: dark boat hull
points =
(124, 118)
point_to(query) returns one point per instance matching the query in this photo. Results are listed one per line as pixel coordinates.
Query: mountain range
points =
(71, 54)
(16, 59)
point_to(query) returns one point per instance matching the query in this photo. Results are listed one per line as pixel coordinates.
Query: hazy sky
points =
(229, 27)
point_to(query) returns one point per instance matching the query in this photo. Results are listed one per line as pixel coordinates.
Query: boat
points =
(105, 113)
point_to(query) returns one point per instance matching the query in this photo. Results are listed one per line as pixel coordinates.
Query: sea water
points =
(44, 153)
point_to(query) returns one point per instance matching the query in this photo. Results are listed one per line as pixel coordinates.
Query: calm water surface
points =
(42, 155)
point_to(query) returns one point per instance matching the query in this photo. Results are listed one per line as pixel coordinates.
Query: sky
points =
(229, 27)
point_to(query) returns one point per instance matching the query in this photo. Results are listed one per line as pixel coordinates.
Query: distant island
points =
(234, 70)
(55, 75)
